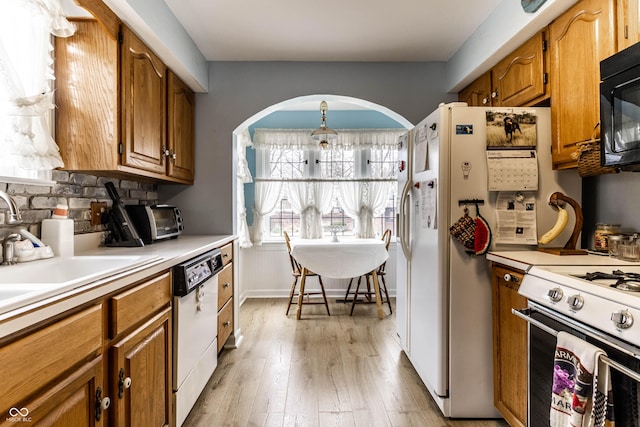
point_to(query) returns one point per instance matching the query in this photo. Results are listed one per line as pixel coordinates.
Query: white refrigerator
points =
(443, 293)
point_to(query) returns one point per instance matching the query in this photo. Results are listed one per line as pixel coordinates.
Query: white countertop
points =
(523, 260)
(56, 285)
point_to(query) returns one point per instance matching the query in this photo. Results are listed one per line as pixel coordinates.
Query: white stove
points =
(596, 302)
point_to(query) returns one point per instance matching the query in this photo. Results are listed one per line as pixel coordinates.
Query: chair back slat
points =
(295, 267)
(386, 237)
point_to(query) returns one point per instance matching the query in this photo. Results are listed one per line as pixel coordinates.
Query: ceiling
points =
(333, 30)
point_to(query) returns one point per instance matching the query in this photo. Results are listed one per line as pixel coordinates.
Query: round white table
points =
(344, 259)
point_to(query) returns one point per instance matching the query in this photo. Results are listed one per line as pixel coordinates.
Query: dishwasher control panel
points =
(190, 274)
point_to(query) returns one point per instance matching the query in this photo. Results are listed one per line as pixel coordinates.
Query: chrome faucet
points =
(7, 248)
(14, 213)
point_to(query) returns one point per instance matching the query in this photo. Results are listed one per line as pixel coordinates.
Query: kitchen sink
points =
(72, 269)
(29, 282)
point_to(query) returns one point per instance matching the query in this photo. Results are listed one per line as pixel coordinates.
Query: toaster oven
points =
(156, 222)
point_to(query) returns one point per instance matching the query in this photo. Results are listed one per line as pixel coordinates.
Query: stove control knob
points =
(622, 319)
(555, 294)
(576, 302)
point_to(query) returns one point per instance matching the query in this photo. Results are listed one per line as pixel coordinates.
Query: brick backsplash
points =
(77, 191)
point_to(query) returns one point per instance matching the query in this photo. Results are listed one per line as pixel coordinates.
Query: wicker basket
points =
(588, 156)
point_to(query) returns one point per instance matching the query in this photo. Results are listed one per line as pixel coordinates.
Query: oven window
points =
(626, 117)
(626, 400)
(165, 219)
(542, 347)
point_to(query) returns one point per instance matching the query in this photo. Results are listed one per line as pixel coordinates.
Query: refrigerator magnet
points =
(466, 168)
(464, 129)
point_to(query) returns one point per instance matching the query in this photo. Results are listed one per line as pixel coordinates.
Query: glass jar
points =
(600, 241)
(615, 241)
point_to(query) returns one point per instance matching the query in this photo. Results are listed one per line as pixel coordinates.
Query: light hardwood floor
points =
(322, 370)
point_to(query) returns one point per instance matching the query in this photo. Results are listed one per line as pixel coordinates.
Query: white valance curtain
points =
(26, 71)
(347, 138)
(310, 200)
(362, 201)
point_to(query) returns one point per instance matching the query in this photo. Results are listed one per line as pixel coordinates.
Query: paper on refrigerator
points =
(516, 218)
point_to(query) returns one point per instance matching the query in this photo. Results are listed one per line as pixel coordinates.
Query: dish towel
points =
(581, 392)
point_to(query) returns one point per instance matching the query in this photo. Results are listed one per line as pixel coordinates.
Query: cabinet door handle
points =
(123, 383)
(227, 323)
(510, 278)
(226, 285)
(102, 403)
(165, 152)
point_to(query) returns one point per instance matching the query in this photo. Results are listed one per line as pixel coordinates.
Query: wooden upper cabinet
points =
(521, 77)
(111, 94)
(88, 113)
(478, 93)
(144, 97)
(578, 40)
(180, 122)
(628, 23)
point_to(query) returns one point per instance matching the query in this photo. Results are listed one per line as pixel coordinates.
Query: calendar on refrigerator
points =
(512, 170)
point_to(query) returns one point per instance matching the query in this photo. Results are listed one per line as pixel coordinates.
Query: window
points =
(352, 175)
(26, 96)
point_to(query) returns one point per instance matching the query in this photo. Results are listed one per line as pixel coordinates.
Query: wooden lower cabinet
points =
(509, 346)
(109, 363)
(70, 402)
(140, 375)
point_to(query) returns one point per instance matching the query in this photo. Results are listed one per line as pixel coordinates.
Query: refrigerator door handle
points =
(404, 222)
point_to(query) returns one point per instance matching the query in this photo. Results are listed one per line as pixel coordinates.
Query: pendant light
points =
(323, 133)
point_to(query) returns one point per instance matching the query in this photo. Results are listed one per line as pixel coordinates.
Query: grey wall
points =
(610, 199)
(239, 90)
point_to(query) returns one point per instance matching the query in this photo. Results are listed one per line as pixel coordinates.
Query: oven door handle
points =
(525, 314)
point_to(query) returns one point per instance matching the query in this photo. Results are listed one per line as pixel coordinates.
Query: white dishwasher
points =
(195, 320)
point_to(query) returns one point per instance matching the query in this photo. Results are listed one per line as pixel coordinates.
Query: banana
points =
(561, 223)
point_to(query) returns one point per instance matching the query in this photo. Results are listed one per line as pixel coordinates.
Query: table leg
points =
(301, 295)
(376, 287)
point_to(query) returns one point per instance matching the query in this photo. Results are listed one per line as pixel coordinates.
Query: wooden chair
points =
(381, 272)
(296, 272)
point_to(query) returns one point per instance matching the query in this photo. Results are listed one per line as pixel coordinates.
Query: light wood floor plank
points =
(336, 370)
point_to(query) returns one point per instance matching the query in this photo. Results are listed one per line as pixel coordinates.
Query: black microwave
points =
(620, 109)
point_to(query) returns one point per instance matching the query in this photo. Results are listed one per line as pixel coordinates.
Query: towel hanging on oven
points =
(581, 385)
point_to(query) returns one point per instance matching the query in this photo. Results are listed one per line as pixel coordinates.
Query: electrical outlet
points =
(98, 210)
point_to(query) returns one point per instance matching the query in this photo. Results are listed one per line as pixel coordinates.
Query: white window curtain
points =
(26, 97)
(267, 195)
(243, 141)
(362, 201)
(310, 200)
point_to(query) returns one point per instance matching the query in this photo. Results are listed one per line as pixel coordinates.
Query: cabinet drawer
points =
(225, 323)
(225, 285)
(30, 363)
(135, 305)
(227, 253)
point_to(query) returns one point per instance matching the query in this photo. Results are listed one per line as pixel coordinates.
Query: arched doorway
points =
(252, 256)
